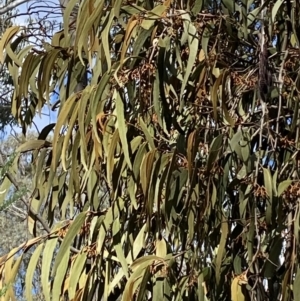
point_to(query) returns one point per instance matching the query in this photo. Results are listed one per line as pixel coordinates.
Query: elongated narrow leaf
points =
(48, 255)
(76, 272)
(30, 271)
(214, 151)
(275, 9)
(221, 248)
(7, 36)
(146, 170)
(59, 277)
(193, 41)
(283, 186)
(67, 242)
(122, 126)
(269, 189)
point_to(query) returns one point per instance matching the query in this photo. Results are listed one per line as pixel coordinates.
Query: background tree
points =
(13, 212)
(173, 174)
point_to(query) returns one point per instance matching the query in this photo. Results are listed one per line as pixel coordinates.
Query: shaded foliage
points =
(173, 174)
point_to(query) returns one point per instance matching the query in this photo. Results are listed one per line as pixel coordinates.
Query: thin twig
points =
(35, 214)
(12, 5)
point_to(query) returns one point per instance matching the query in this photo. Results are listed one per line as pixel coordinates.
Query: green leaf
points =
(92, 189)
(296, 286)
(137, 245)
(7, 36)
(237, 264)
(105, 37)
(250, 240)
(146, 170)
(153, 15)
(229, 5)
(4, 190)
(193, 41)
(134, 280)
(221, 248)
(143, 286)
(269, 189)
(276, 8)
(274, 182)
(65, 246)
(11, 270)
(214, 95)
(236, 291)
(67, 138)
(30, 271)
(191, 152)
(214, 151)
(253, 15)
(122, 126)
(85, 22)
(144, 261)
(274, 257)
(32, 145)
(201, 294)
(283, 186)
(111, 156)
(66, 16)
(147, 134)
(197, 7)
(204, 41)
(133, 9)
(191, 223)
(116, 231)
(161, 248)
(60, 276)
(63, 115)
(158, 288)
(76, 272)
(138, 45)
(117, 7)
(46, 264)
(131, 25)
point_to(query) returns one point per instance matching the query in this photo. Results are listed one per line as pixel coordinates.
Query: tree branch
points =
(12, 5)
(35, 214)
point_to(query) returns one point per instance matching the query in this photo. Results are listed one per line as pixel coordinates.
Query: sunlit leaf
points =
(30, 271)
(72, 232)
(7, 36)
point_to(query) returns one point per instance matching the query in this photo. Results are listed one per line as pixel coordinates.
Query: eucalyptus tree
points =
(173, 172)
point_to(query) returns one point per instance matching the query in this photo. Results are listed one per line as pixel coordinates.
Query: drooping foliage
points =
(6, 118)
(173, 174)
